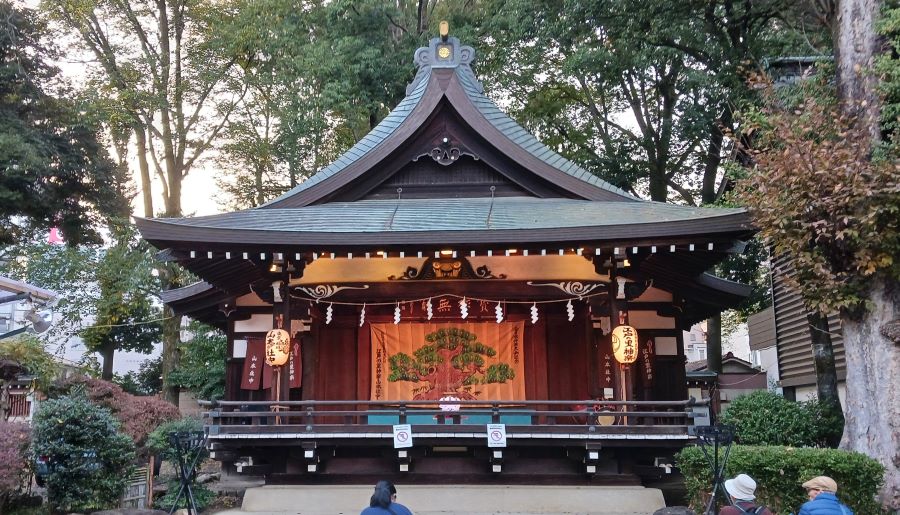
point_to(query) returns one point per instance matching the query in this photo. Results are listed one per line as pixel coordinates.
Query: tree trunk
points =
(107, 353)
(714, 344)
(144, 168)
(659, 184)
(854, 49)
(872, 418)
(823, 359)
(171, 335)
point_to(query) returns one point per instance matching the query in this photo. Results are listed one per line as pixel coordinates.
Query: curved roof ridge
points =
(523, 138)
(370, 141)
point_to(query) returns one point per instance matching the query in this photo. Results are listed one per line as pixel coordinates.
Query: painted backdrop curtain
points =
(468, 361)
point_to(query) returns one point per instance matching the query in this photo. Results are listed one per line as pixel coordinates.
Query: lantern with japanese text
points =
(625, 344)
(278, 347)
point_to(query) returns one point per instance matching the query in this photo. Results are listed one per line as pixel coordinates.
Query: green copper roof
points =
(475, 93)
(464, 214)
(371, 140)
(522, 137)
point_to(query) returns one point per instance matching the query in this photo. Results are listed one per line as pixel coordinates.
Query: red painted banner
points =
(295, 365)
(256, 374)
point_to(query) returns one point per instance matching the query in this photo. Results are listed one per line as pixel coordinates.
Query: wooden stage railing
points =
(535, 416)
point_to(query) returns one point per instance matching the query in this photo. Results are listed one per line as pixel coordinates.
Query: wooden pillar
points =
(618, 315)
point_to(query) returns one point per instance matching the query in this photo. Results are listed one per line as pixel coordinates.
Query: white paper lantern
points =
(625, 344)
(278, 347)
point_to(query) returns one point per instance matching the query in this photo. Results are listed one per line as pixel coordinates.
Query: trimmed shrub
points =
(766, 418)
(87, 454)
(14, 467)
(138, 415)
(779, 472)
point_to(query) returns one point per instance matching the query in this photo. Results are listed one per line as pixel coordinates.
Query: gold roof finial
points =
(444, 29)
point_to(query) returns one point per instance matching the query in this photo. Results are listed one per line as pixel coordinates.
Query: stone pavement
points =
(454, 500)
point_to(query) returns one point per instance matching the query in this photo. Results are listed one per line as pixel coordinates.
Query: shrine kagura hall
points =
(451, 271)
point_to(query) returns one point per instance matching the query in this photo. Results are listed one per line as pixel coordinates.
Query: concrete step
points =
(454, 499)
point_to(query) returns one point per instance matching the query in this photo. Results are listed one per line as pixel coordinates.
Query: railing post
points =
(402, 419)
(495, 413)
(310, 418)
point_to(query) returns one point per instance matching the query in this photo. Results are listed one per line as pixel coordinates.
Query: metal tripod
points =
(715, 437)
(189, 447)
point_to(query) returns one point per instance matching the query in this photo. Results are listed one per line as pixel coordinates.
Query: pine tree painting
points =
(450, 364)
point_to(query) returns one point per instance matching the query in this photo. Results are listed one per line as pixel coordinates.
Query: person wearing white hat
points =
(742, 492)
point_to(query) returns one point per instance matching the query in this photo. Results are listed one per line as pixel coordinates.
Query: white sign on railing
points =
(496, 435)
(402, 436)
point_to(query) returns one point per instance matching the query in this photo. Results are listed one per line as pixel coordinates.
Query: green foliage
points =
(106, 292)
(158, 441)
(887, 66)
(779, 472)
(160, 445)
(575, 70)
(88, 455)
(146, 381)
(54, 170)
(31, 354)
(766, 418)
(138, 415)
(15, 439)
(202, 367)
(202, 495)
(126, 318)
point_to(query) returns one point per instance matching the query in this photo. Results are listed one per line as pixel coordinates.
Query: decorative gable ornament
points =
(278, 347)
(625, 344)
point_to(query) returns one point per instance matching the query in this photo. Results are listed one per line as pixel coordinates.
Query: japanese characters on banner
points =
(256, 374)
(295, 365)
(607, 363)
(625, 343)
(648, 353)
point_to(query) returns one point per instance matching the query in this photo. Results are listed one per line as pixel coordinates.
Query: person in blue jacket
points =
(384, 501)
(822, 499)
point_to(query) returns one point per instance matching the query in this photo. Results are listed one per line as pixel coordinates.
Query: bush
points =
(766, 418)
(87, 454)
(158, 441)
(159, 444)
(138, 415)
(779, 472)
(202, 495)
(14, 441)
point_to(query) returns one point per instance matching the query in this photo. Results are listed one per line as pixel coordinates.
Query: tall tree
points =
(108, 294)
(827, 194)
(871, 327)
(54, 170)
(153, 59)
(126, 317)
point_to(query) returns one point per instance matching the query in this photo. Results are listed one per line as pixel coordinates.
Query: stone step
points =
(454, 499)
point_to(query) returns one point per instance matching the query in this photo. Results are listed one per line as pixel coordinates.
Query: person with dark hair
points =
(384, 501)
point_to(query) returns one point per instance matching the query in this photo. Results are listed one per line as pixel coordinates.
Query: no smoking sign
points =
(496, 435)
(402, 436)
